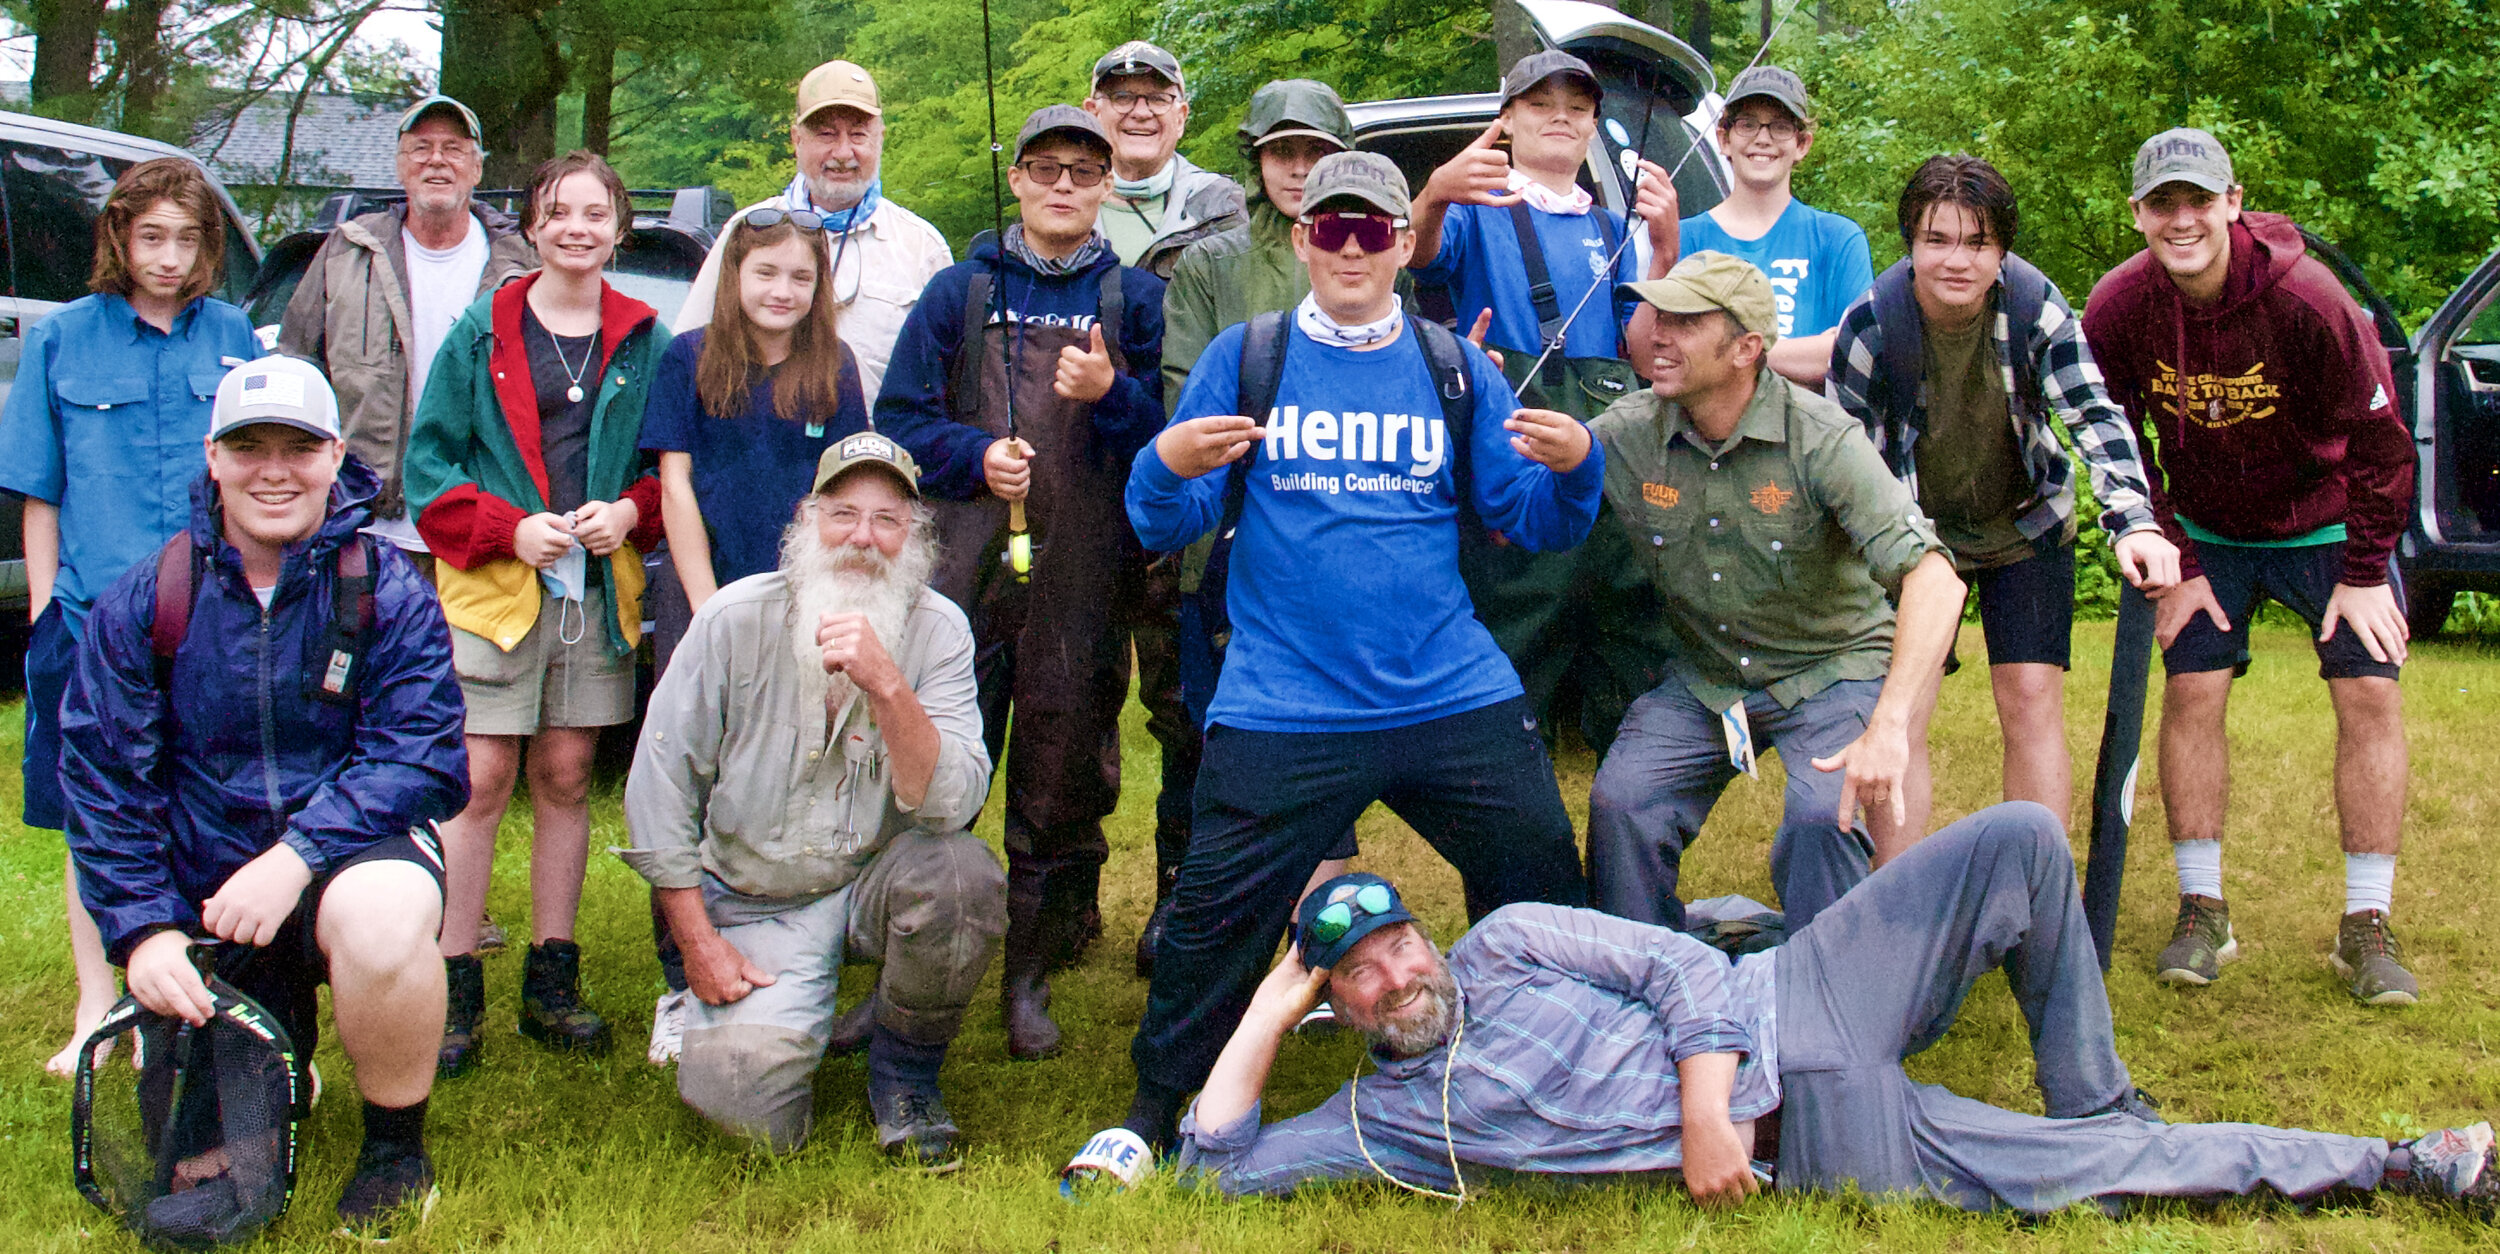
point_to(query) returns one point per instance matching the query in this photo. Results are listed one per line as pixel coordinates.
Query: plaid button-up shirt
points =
(2069, 386)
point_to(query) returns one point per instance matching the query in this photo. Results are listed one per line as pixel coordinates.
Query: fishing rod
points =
(1019, 536)
(1612, 259)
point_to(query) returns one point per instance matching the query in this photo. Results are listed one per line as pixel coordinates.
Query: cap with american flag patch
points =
(285, 390)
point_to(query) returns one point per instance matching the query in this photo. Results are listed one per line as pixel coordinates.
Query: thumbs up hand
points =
(1084, 373)
(1478, 175)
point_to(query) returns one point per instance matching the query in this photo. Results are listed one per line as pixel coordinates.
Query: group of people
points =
(1701, 486)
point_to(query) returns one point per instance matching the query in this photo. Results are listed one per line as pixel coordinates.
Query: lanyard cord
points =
(1449, 1069)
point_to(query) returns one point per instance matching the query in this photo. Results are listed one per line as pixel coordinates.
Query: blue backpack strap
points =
(1451, 381)
(1263, 342)
(2026, 294)
(1894, 390)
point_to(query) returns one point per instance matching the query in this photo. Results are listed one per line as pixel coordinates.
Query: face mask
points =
(567, 581)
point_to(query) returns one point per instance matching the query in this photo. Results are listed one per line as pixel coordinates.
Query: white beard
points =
(847, 581)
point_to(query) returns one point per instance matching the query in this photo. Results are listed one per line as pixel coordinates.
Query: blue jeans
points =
(1667, 767)
(1882, 974)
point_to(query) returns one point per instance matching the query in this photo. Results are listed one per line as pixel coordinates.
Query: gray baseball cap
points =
(1365, 176)
(461, 113)
(2182, 154)
(1770, 82)
(285, 390)
(1536, 67)
(1139, 57)
(1064, 120)
(1296, 106)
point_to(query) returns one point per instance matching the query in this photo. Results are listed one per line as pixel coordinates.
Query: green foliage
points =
(2367, 120)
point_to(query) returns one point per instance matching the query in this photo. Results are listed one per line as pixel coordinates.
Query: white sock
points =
(2200, 866)
(2369, 882)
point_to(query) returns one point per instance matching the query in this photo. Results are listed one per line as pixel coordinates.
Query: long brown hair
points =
(139, 190)
(804, 383)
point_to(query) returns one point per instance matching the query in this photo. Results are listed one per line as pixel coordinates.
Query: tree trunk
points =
(594, 59)
(1766, 21)
(1661, 14)
(501, 59)
(1513, 35)
(1701, 30)
(65, 38)
(140, 49)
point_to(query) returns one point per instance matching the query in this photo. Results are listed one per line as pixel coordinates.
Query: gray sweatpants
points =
(1880, 975)
(928, 909)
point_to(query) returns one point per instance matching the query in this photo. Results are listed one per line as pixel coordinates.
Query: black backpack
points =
(1263, 343)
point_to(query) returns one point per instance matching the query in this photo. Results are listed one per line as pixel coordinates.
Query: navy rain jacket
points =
(171, 793)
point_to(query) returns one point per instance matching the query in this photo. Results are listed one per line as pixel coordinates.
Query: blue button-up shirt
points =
(1574, 1023)
(105, 422)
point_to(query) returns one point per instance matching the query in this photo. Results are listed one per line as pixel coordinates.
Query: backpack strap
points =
(1263, 342)
(1447, 362)
(1894, 391)
(2026, 294)
(963, 382)
(176, 577)
(338, 662)
(1111, 314)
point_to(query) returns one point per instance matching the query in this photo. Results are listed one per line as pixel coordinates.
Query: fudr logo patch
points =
(868, 445)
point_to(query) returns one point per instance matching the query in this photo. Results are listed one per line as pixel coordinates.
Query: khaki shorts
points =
(545, 682)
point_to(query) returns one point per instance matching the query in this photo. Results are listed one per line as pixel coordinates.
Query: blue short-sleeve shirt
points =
(1817, 263)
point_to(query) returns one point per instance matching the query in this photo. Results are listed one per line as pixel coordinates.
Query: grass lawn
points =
(539, 1152)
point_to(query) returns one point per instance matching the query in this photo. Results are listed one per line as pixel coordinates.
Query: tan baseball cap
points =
(1711, 280)
(867, 448)
(837, 83)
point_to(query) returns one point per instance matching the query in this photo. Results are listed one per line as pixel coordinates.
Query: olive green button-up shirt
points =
(1774, 551)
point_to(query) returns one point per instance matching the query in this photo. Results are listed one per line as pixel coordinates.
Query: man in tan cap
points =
(1779, 544)
(775, 867)
(883, 254)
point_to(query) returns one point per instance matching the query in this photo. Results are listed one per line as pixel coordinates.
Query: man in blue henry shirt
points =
(1569, 1042)
(1818, 262)
(1356, 670)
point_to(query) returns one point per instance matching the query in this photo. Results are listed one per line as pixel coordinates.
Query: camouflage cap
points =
(2182, 154)
(1365, 176)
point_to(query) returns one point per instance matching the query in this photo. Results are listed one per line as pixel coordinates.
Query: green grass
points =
(539, 1152)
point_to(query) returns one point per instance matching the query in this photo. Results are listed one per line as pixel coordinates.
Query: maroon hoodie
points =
(2289, 422)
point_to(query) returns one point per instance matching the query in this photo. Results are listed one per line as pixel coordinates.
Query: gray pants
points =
(1667, 767)
(929, 909)
(1881, 975)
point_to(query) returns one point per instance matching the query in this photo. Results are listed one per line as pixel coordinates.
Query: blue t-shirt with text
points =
(1817, 262)
(1347, 608)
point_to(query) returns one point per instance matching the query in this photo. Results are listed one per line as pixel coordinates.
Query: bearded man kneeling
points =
(807, 768)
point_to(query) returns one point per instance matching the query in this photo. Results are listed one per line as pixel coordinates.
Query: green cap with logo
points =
(1709, 281)
(2182, 154)
(867, 448)
(1368, 177)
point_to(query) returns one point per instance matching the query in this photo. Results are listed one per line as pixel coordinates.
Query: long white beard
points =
(847, 580)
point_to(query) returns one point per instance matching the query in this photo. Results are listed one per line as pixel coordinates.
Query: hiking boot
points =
(2367, 956)
(392, 1192)
(2200, 942)
(913, 1128)
(668, 1027)
(464, 1015)
(2134, 1102)
(552, 1011)
(2454, 1164)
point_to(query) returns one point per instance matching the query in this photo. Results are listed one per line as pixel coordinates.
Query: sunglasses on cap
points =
(1371, 232)
(1338, 917)
(804, 219)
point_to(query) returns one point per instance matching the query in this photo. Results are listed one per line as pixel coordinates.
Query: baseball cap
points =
(2182, 154)
(1709, 280)
(1059, 119)
(416, 113)
(867, 448)
(1335, 915)
(837, 83)
(1139, 57)
(1366, 176)
(1536, 67)
(1296, 106)
(1772, 83)
(285, 390)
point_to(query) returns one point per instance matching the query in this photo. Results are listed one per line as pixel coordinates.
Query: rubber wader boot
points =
(1024, 985)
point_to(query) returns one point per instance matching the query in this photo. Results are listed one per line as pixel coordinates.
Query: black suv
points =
(54, 177)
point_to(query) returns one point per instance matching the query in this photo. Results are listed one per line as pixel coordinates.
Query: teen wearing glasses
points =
(1817, 262)
(1160, 201)
(1030, 374)
(529, 487)
(1357, 670)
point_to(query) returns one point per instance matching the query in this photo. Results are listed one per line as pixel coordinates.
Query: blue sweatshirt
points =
(1348, 612)
(912, 407)
(1480, 262)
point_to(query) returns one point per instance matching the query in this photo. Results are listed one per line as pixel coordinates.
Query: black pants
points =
(1477, 786)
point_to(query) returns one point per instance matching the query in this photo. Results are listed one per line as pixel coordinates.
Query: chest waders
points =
(1048, 647)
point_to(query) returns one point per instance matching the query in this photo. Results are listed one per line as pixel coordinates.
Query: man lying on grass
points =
(1557, 1040)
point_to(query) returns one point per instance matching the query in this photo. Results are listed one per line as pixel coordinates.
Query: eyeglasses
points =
(1337, 917)
(1371, 232)
(1780, 128)
(1154, 103)
(1046, 173)
(804, 219)
(447, 150)
(846, 520)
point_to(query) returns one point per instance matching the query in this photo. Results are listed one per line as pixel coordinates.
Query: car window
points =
(2485, 328)
(1651, 118)
(656, 267)
(54, 195)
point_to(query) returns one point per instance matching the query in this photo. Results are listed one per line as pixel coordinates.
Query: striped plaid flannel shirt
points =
(2069, 383)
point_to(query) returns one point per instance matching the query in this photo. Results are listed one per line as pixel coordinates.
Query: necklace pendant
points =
(574, 394)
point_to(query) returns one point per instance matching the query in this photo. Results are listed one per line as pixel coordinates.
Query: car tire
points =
(2426, 607)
